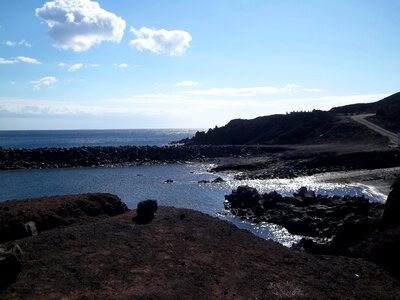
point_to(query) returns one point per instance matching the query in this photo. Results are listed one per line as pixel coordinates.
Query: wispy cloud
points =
(28, 60)
(4, 61)
(121, 65)
(187, 83)
(78, 66)
(250, 91)
(172, 42)
(23, 59)
(183, 109)
(75, 67)
(44, 82)
(20, 43)
(80, 24)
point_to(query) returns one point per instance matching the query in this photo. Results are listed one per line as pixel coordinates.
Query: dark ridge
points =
(304, 128)
(386, 111)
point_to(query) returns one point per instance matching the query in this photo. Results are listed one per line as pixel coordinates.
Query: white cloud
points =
(20, 43)
(186, 83)
(9, 43)
(25, 43)
(24, 59)
(79, 66)
(44, 82)
(75, 67)
(7, 61)
(28, 60)
(162, 110)
(80, 24)
(173, 42)
(62, 65)
(121, 66)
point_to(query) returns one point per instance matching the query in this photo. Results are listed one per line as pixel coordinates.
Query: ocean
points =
(134, 184)
(78, 138)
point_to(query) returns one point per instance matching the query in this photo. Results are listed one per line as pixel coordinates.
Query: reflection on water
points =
(134, 184)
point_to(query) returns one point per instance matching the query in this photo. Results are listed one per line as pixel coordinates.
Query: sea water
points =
(134, 184)
(78, 138)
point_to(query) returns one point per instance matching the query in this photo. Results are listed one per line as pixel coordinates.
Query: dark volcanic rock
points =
(10, 265)
(381, 247)
(391, 214)
(52, 212)
(145, 211)
(41, 158)
(347, 218)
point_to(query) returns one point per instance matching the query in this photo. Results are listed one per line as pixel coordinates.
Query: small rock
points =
(203, 181)
(31, 229)
(168, 181)
(218, 180)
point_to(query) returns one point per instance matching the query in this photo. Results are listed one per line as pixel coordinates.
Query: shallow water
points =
(134, 184)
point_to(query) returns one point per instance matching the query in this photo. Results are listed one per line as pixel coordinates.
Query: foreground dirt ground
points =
(183, 254)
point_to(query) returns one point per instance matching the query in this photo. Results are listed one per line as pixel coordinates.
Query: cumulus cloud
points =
(80, 24)
(121, 66)
(28, 60)
(173, 42)
(44, 82)
(75, 67)
(187, 83)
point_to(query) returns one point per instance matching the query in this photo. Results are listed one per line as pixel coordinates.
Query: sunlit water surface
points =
(134, 184)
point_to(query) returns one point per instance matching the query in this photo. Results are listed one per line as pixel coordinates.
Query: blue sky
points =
(81, 64)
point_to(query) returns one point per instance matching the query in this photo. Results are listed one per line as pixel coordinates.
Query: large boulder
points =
(145, 211)
(391, 214)
(10, 265)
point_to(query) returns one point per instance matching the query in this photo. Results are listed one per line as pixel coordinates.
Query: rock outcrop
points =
(306, 213)
(391, 214)
(23, 218)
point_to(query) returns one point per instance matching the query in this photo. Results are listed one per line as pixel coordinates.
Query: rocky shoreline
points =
(178, 254)
(248, 162)
(350, 226)
(43, 158)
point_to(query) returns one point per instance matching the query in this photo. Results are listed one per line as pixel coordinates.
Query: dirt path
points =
(393, 138)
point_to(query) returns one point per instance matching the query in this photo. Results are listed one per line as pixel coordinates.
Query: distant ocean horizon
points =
(92, 137)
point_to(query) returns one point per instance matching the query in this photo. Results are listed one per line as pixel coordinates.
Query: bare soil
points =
(183, 254)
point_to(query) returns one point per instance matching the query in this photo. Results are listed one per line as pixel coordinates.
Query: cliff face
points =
(187, 255)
